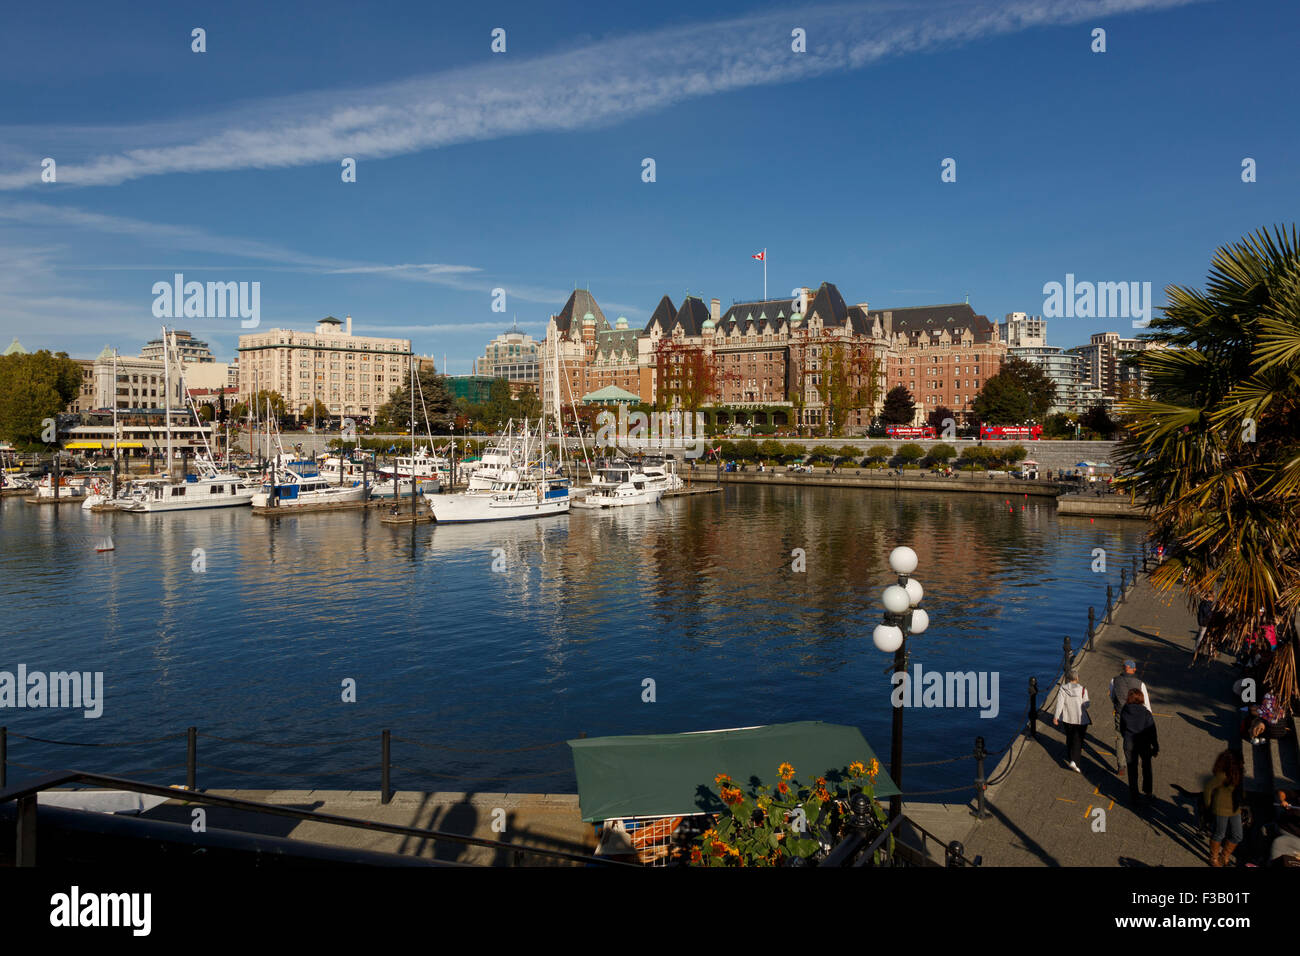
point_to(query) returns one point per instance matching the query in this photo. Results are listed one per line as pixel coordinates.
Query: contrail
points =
(597, 84)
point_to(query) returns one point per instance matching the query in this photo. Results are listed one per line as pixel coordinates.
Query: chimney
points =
(715, 309)
(349, 326)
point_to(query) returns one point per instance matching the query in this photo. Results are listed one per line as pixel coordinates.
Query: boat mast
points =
(167, 399)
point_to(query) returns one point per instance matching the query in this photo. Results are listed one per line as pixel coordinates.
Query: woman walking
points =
(1072, 705)
(1222, 796)
(1140, 742)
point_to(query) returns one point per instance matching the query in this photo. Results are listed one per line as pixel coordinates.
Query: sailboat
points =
(209, 488)
(293, 484)
(516, 492)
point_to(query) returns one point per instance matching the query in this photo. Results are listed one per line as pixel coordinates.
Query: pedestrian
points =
(1204, 614)
(1223, 797)
(1072, 704)
(1120, 685)
(1140, 741)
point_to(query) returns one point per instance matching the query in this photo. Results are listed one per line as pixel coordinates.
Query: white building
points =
(184, 346)
(351, 375)
(1021, 330)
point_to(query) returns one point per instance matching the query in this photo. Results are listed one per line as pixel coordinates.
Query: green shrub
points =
(943, 453)
(879, 453)
(911, 453)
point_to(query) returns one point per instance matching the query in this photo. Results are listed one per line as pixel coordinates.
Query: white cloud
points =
(601, 83)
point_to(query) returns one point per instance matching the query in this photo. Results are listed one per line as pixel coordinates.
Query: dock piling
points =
(1033, 707)
(981, 810)
(386, 753)
(1092, 624)
(191, 757)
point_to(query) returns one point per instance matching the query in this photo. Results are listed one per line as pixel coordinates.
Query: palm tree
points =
(1215, 448)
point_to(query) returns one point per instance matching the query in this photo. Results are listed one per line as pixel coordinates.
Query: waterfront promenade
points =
(1043, 814)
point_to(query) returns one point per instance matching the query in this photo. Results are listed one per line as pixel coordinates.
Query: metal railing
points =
(24, 796)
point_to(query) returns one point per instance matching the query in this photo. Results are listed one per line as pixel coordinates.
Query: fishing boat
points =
(619, 486)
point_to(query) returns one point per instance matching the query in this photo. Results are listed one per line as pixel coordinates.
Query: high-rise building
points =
(185, 347)
(1075, 393)
(1021, 330)
(351, 375)
(1107, 364)
(511, 355)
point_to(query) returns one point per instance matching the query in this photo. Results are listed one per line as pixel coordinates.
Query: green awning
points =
(672, 774)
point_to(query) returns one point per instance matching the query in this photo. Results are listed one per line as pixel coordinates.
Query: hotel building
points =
(351, 375)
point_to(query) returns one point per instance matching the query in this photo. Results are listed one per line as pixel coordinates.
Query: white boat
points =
(662, 475)
(401, 488)
(506, 455)
(619, 486)
(297, 483)
(68, 487)
(512, 495)
(210, 490)
(421, 464)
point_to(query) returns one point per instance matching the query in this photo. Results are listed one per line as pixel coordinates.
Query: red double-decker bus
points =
(1011, 432)
(911, 431)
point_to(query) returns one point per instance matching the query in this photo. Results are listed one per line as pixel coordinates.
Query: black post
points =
(981, 810)
(1092, 624)
(4, 755)
(386, 746)
(1033, 707)
(953, 854)
(191, 757)
(1123, 583)
(25, 827)
(55, 476)
(1135, 569)
(1110, 597)
(1065, 665)
(896, 740)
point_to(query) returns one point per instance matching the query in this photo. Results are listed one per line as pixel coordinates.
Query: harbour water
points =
(482, 647)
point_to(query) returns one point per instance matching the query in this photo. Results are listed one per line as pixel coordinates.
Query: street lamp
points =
(902, 617)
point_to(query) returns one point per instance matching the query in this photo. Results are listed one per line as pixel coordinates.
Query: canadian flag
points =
(760, 255)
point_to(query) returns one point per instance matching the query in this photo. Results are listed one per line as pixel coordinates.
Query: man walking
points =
(1120, 686)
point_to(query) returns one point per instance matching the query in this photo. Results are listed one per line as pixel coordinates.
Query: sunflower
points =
(785, 772)
(858, 769)
(783, 788)
(874, 769)
(721, 780)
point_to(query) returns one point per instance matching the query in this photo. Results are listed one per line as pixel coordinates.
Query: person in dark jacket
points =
(1120, 685)
(1140, 742)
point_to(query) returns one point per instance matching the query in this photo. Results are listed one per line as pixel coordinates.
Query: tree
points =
(899, 407)
(1097, 420)
(35, 386)
(910, 454)
(1002, 401)
(316, 410)
(771, 448)
(500, 407)
(395, 414)
(685, 377)
(1033, 381)
(879, 453)
(1215, 452)
(943, 453)
(847, 382)
(822, 453)
(207, 413)
(529, 403)
(939, 418)
(1059, 425)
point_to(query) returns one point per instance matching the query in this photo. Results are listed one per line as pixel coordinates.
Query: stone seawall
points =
(978, 482)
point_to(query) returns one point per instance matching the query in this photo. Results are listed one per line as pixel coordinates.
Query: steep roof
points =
(15, 348)
(580, 303)
(915, 321)
(692, 315)
(664, 316)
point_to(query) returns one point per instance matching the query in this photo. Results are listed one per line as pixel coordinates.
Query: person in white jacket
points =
(1072, 705)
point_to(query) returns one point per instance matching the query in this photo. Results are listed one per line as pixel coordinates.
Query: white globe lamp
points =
(896, 599)
(887, 638)
(903, 560)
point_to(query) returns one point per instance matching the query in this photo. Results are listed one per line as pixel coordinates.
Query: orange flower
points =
(696, 855)
(732, 796)
(785, 772)
(783, 788)
(718, 848)
(721, 779)
(857, 768)
(875, 768)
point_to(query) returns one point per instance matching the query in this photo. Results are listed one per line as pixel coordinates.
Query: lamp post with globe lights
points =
(902, 618)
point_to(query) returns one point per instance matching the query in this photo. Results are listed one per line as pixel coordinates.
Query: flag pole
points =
(765, 273)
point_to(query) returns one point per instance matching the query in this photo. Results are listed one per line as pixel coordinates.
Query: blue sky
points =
(523, 170)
